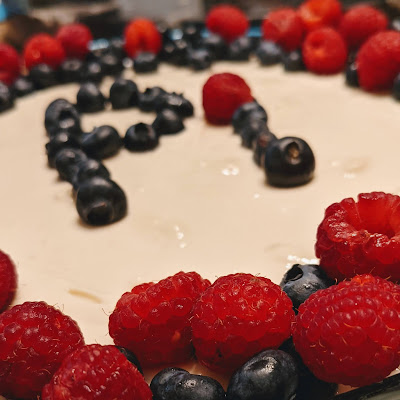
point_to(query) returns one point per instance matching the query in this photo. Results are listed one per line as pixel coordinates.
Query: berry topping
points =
(92, 72)
(22, 86)
(66, 162)
(324, 51)
(43, 49)
(89, 98)
(167, 122)
(252, 131)
(124, 93)
(238, 316)
(246, 113)
(89, 168)
(8, 281)
(145, 62)
(396, 88)
(153, 319)
(75, 40)
(111, 63)
(227, 21)
(140, 137)
(318, 13)
(43, 76)
(9, 64)
(284, 27)
(271, 374)
(222, 95)
(350, 332)
(260, 145)
(289, 161)
(131, 358)
(378, 61)
(176, 52)
(216, 45)
(142, 35)
(58, 141)
(149, 98)
(35, 338)
(361, 237)
(293, 61)
(71, 70)
(352, 75)
(240, 49)
(96, 372)
(104, 141)
(269, 53)
(176, 102)
(6, 97)
(361, 22)
(200, 59)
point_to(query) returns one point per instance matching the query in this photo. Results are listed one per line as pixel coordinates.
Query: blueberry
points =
(176, 102)
(178, 384)
(43, 76)
(66, 162)
(271, 374)
(289, 162)
(240, 49)
(269, 53)
(100, 201)
(117, 47)
(87, 169)
(59, 141)
(301, 281)
(147, 99)
(140, 137)
(352, 75)
(111, 64)
(164, 31)
(216, 45)
(124, 93)
(71, 70)
(23, 86)
(252, 131)
(6, 97)
(167, 122)
(92, 72)
(130, 357)
(293, 61)
(176, 52)
(61, 115)
(260, 145)
(395, 24)
(246, 112)
(89, 98)
(104, 141)
(192, 33)
(199, 59)
(145, 62)
(396, 87)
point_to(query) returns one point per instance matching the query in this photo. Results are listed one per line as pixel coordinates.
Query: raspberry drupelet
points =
(8, 281)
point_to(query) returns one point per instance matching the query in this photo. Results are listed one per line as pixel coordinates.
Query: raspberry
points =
(361, 22)
(99, 373)
(8, 281)
(284, 27)
(318, 13)
(9, 64)
(43, 49)
(222, 95)
(378, 61)
(142, 35)
(324, 51)
(75, 40)
(228, 21)
(237, 317)
(350, 333)
(153, 319)
(361, 237)
(34, 339)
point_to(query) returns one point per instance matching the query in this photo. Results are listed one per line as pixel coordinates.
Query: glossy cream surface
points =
(197, 202)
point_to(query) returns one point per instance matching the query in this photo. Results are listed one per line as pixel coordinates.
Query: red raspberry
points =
(350, 333)
(96, 372)
(361, 22)
(378, 61)
(8, 281)
(9, 64)
(228, 21)
(361, 237)
(43, 49)
(284, 27)
(318, 13)
(324, 51)
(237, 317)
(34, 339)
(75, 40)
(222, 95)
(142, 35)
(153, 319)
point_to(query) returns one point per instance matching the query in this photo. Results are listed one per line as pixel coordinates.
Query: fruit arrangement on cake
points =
(170, 283)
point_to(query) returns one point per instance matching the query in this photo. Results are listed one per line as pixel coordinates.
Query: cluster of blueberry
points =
(77, 155)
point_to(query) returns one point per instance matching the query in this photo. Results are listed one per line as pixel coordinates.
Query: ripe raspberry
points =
(237, 317)
(75, 39)
(361, 22)
(222, 95)
(324, 51)
(142, 35)
(99, 373)
(8, 281)
(284, 27)
(361, 237)
(9, 64)
(228, 21)
(350, 333)
(318, 13)
(34, 339)
(43, 49)
(378, 61)
(153, 319)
